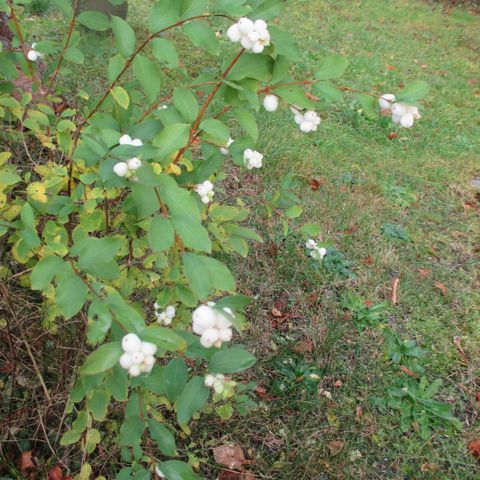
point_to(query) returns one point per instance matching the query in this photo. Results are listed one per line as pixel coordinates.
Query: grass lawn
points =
(419, 181)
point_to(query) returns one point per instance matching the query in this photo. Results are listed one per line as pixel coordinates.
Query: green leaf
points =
(202, 35)
(247, 121)
(332, 67)
(9, 177)
(414, 91)
(216, 131)
(74, 55)
(131, 431)
(251, 65)
(124, 36)
(294, 95)
(207, 274)
(185, 215)
(395, 232)
(163, 436)
(98, 404)
(284, 43)
(369, 104)
(176, 470)
(71, 294)
(70, 437)
(186, 103)
(160, 234)
(310, 229)
(170, 139)
(165, 338)
(294, 211)
(94, 20)
(165, 52)
(267, 9)
(148, 75)
(102, 359)
(174, 378)
(231, 361)
(145, 200)
(44, 271)
(116, 382)
(328, 92)
(97, 256)
(120, 95)
(191, 400)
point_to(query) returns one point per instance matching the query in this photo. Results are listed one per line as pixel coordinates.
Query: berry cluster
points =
(128, 168)
(166, 316)
(402, 113)
(252, 159)
(308, 121)
(316, 252)
(139, 357)
(216, 382)
(212, 325)
(205, 191)
(253, 36)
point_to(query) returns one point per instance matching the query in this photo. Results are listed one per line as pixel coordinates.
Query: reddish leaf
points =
(55, 473)
(424, 272)
(392, 135)
(407, 371)
(25, 462)
(305, 346)
(276, 312)
(359, 412)
(441, 287)
(314, 184)
(368, 303)
(231, 456)
(367, 261)
(338, 384)
(474, 447)
(477, 396)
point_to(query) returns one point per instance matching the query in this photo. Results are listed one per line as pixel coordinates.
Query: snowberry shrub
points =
(117, 219)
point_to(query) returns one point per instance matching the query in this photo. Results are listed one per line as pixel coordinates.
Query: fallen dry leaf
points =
(305, 346)
(474, 448)
(367, 261)
(424, 272)
(55, 473)
(336, 446)
(314, 184)
(231, 456)
(368, 303)
(457, 341)
(441, 287)
(276, 312)
(392, 135)
(396, 282)
(25, 463)
(359, 412)
(338, 383)
(407, 371)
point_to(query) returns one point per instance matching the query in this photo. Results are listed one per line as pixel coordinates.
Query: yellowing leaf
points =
(157, 168)
(37, 192)
(175, 169)
(120, 95)
(4, 156)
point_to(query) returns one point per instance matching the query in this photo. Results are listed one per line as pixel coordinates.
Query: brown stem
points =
(313, 82)
(138, 50)
(206, 104)
(14, 18)
(65, 46)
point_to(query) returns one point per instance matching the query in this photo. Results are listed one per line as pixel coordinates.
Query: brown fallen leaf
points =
(314, 184)
(25, 462)
(457, 341)
(276, 312)
(368, 303)
(231, 456)
(336, 446)
(474, 448)
(407, 371)
(424, 272)
(55, 473)
(392, 135)
(359, 412)
(338, 384)
(441, 287)
(367, 261)
(305, 346)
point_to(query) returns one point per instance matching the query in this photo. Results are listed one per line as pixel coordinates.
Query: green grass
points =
(291, 435)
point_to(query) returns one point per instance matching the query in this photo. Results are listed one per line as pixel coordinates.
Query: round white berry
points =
(225, 335)
(233, 33)
(131, 343)
(125, 140)
(135, 370)
(270, 103)
(137, 142)
(218, 386)
(245, 26)
(306, 126)
(396, 118)
(134, 163)
(258, 47)
(33, 55)
(407, 120)
(260, 25)
(149, 360)
(148, 349)
(209, 380)
(121, 169)
(386, 100)
(138, 357)
(246, 43)
(126, 361)
(170, 311)
(399, 109)
(209, 337)
(204, 317)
